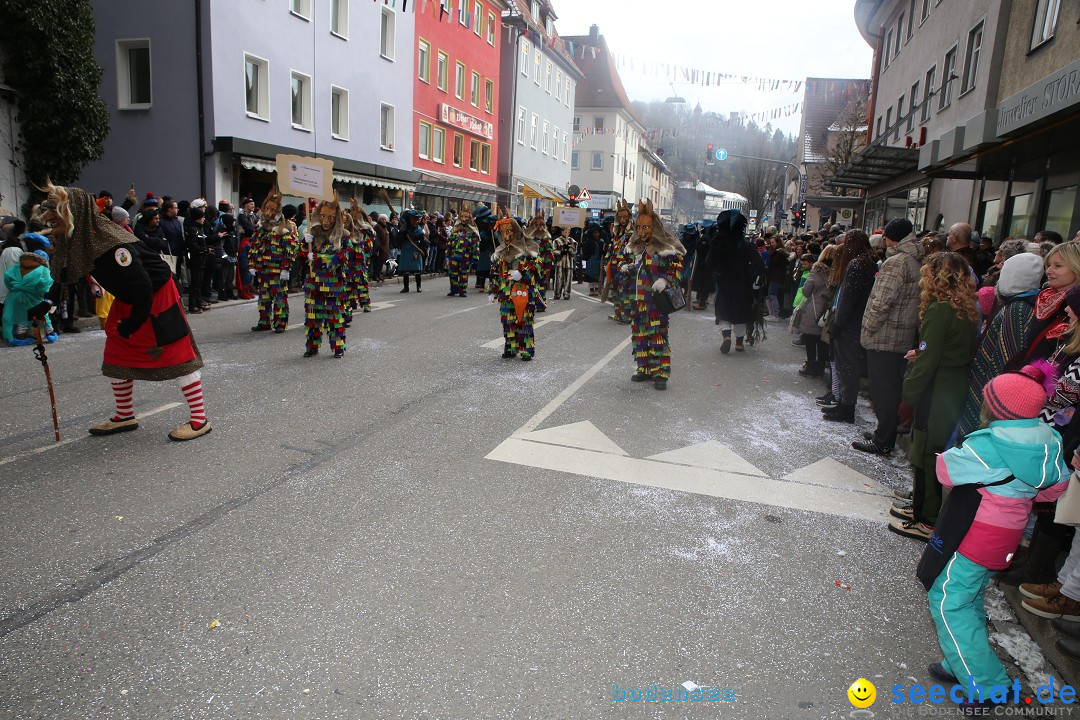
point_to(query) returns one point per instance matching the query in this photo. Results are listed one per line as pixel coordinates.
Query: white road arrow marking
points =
(557, 317)
(582, 435)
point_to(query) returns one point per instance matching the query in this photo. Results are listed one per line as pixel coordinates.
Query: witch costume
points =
(515, 285)
(658, 267)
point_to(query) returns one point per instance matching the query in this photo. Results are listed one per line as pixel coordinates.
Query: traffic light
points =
(796, 219)
(710, 155)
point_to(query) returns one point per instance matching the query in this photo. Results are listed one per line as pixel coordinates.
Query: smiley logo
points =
(862, 693)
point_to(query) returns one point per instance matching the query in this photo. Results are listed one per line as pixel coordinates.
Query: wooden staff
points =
(39, 353)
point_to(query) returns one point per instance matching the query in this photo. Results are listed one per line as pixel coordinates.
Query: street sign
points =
(583, 205)
(584, 194)
(753, 213)
(721, 154)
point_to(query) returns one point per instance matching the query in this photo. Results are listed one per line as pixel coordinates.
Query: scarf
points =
(92, 235)
(1049, 302)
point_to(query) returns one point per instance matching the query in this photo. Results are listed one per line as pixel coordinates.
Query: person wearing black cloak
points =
(738, 271)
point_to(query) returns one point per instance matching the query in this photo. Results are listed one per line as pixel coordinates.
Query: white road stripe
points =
(583, 295)
(28, 453)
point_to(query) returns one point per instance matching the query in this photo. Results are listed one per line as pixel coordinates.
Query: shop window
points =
(1020, 216)
(1059, 210)
(988, 219)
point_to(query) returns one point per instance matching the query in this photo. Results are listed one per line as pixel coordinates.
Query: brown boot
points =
(1040, 590)
(1058, 606)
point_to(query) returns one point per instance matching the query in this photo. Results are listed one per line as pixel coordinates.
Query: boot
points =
(1040, 563)
(739, 347)
(418, 284)
(725, 347)
(840, 413)
(405, 283)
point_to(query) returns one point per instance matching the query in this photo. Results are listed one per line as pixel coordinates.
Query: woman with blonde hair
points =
(936, 383)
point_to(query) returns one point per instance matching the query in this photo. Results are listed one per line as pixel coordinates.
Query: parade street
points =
(424, 529)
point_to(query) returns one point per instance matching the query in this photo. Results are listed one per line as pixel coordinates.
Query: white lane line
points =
(556, 317)
(545, 412)
(28, 453)
(459, 312)
(583, 295)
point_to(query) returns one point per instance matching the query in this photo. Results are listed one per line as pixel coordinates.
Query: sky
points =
(781, 39)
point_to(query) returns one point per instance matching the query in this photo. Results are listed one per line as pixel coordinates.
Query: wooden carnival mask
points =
(622, 214)
(645, 221)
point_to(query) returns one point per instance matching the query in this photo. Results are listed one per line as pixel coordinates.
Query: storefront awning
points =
(445, 186)
(529, 193)
(258, 164)
(874, 165)
(341, 176)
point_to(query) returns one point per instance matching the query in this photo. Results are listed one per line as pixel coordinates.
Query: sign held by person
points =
(306, 177)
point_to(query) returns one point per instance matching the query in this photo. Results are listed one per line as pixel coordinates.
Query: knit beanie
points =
(118, 214)
(898, 229)
(1020, 274)
(986, 300)
(1020, 395)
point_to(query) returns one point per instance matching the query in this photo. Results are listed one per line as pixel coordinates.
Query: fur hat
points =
(1020, 395)
(198, 203)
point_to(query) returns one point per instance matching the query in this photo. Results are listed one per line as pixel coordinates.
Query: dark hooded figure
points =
(593, 246)
(485, 224)
(701, 277)
(737, 269)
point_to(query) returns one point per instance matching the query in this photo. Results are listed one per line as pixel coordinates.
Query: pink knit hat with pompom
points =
(1020, 395)
(987, 296)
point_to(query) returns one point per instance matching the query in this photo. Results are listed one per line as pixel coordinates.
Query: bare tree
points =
(845, 139)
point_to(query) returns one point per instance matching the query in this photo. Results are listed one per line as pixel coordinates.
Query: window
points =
(577, 124)
(536, 67)
(532, 130)
(928, 92)
(133, 84)
(879, 122)
(339, 18)
(463, 12)
(441, 70)
(547, 130)
(911, 20)
(438, 145)
(914, 103)
(925, 11)
(574, 160)
(491, 29)
(386, 127)
(459, 149)
(339, 113)
(459, 81)
(489, 95)
(598, 123)
(948, 74)
(899, 33)
(566, 97)
(478, 19)
(300, 8)
(555, 142)
(558, 86)
(547, 77)
(1046, 15)
(474, 90)
(485, 159)
(899, 115)
(598, 161)
(301, 100)
(256, 87)
(523, 61)
(423, 143)
(971, 60)
(888, 50)
(520, 131)
(386, 34)
(474, 155)
(565, 146)
(423, 61)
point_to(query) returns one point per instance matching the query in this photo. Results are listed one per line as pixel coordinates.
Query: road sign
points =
(573, 191)
(583, 205)
(721, 154)
(753, 213)
(584, 194)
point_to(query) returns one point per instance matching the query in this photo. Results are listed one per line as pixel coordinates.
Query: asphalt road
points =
(425, 530)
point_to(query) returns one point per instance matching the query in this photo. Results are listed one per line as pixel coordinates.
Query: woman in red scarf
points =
(1046, 334)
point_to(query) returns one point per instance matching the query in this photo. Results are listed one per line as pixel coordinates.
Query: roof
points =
(709, 190)
(874, 165)
(825, 100)
(602, 87)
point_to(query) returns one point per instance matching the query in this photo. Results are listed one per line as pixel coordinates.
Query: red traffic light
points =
(710, 146)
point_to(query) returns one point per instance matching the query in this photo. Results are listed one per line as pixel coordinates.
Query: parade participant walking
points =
(593, 243)
(537, 231)
(565, 249)
(461, 251)
(485, 223)
(619, 258)
(324, 291)
(273, 249)
(658, 267)
(515, 285)
(146, 335)
(413, 244)
(739, 271)
(361, 251)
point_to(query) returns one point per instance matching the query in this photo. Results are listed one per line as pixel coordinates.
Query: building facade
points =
(13, 188)
(202, 99)
(934, 65)
(456, 83)
(540, 80)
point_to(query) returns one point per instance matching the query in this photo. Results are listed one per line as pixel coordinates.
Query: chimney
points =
(594, 33)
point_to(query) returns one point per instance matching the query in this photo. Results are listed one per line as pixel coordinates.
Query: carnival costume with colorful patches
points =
(274, 248)
(537, 232)
(360, 245)
(146, 333)
(618, 264)
(325, 290)
(515, 284)
(658, 266)
(461, 251)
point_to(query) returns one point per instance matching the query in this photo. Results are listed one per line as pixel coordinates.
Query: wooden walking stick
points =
(39, 353)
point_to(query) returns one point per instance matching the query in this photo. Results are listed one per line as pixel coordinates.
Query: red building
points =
(455, 102)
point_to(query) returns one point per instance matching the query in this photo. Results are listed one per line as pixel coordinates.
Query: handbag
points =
(670, 300)
(170, 260)
(953, 522)
(1068, 505)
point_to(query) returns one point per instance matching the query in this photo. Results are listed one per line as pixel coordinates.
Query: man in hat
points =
(413, 244)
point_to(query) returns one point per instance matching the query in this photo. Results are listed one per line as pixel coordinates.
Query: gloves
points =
(624, 268)
(39, 311)
(515, 275)
(285, 276)
(660, 285)
(758, 283)
(127, 327)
